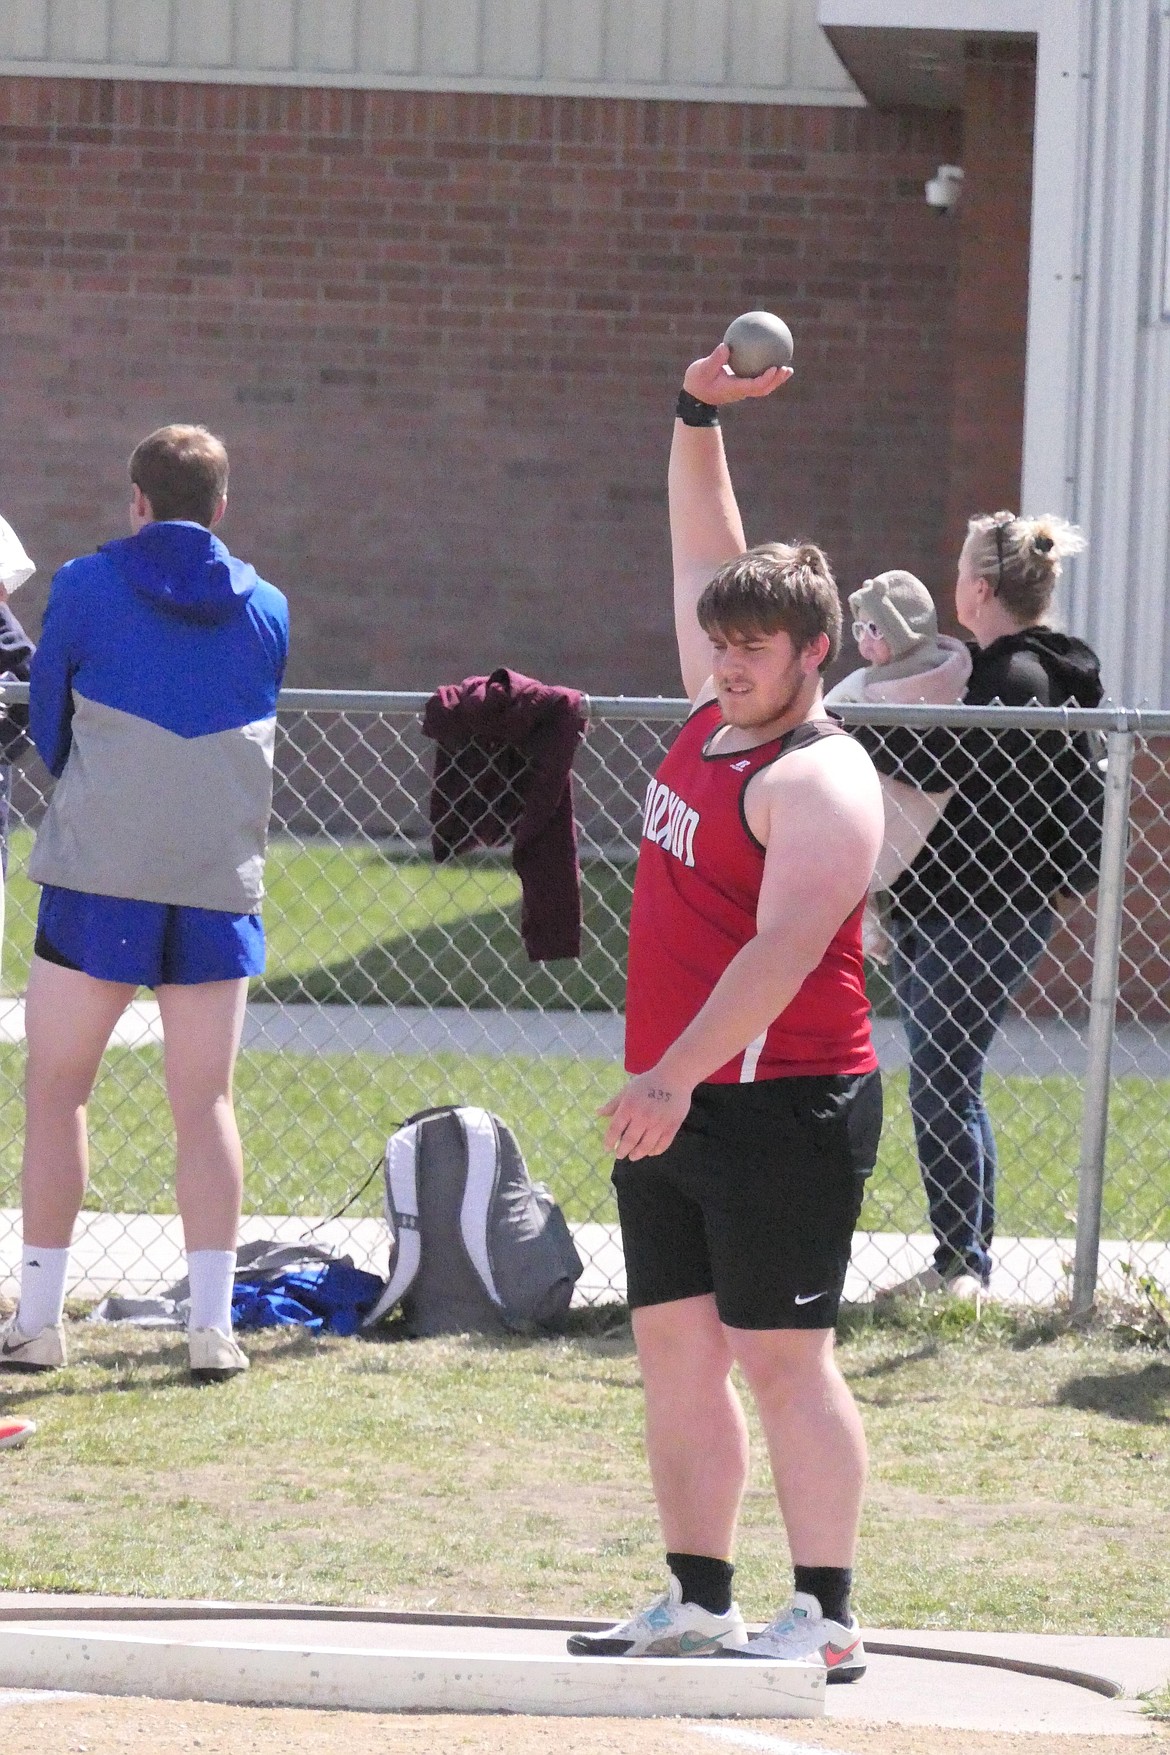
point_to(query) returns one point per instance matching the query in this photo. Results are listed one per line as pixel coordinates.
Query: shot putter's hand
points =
(645, 1116)
(712, 380)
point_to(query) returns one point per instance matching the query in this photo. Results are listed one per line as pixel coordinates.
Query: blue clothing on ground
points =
(153, 699)
(147, 944)
(333, 1297)
(953, 979)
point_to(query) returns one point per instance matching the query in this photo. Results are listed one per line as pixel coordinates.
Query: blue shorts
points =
(146, 944)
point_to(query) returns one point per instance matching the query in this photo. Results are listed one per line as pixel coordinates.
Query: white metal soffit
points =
(753, 51)
(911, 51)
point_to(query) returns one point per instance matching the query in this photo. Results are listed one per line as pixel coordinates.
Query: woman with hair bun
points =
(973, 912)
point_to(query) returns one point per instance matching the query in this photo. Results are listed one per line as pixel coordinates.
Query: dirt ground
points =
(162, 1727)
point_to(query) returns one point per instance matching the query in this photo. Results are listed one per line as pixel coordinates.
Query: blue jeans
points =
(953, 979)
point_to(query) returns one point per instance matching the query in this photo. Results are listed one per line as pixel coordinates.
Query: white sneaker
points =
(14, 1431)
(802, 1633)
(40, 1352)
(214, 1355)
(965, 1287)
(668, 1628)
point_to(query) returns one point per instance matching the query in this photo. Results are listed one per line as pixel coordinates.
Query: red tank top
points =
(695, 897)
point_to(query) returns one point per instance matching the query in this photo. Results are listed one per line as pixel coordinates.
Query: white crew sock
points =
(42, 1288)
(211, 1272)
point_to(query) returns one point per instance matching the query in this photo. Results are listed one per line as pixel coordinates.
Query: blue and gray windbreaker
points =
(153, 700)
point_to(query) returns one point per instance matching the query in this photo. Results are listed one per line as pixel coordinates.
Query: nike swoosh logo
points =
(809, 1298)
(836, 1654)
(697, 1645)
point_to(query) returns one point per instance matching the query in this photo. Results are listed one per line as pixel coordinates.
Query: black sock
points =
(830, 1585)
(704, 1580)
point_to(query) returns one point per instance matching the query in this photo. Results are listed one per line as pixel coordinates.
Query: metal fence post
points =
(1102, 1018)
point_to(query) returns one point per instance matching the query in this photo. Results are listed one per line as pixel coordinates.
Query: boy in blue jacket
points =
(153, 701)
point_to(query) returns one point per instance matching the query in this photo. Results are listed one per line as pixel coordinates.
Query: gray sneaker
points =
(214, 1355)
(801, 1634)
(963, 1287)
(668, 1628)
(40, 1352)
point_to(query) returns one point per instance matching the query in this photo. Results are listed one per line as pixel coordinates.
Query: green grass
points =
(314, 1126)
(1037, 1127)
(1157, 1704)
(352, 924)
(1019, 1481)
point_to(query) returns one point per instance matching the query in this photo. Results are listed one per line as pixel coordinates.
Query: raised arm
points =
(705, 527)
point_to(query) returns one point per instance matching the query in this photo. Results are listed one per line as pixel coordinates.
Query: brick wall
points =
(442, 336)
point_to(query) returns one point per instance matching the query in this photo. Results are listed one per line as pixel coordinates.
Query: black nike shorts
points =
(755, 1200)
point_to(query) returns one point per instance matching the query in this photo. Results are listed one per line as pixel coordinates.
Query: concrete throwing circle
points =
(403, 1670)
(252, 1655)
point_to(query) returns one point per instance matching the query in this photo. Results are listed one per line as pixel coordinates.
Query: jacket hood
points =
(183, 568)
(941, 685)
(1073, 667)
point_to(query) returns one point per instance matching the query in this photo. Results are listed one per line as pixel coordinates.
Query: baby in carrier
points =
(906, 660)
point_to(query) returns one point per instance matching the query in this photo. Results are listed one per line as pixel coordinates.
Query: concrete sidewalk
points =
(1026, 1047)
(898, 1690)
(140, 1254)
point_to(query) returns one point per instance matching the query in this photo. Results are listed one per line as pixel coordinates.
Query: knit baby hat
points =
(901, 608)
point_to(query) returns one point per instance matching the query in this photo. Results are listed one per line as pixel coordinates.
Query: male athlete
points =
(752, 1117)
(152, 698)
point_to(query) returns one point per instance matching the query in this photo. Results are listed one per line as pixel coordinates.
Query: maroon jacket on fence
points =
(503, 761)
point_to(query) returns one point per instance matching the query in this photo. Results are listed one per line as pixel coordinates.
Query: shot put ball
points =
(758, 340)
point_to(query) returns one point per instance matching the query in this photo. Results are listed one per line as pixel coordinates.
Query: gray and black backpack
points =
(475, 1244)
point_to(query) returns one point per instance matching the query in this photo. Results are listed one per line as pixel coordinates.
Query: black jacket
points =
(994, 846)
(16, 650)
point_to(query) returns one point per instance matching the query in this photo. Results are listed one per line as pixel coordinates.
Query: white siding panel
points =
(1116, 394)
(636, 41)
(452, 37)
(389, 33)
(24, 30)
(697, 47)
(1160, 255)
(265, 33)
(762, 51)
(1148, 673)
(761, 41)
(79, 30)
(574, 39)
(203, 35)
(141, 32)
(327, 35)
(513, 38)
(814, 60)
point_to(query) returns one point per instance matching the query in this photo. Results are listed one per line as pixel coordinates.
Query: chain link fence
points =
(395, 983)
